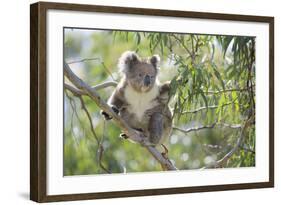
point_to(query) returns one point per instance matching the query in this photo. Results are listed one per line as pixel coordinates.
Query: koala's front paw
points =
(124, 136)
(107, 116)
(165, 153)
(115, 109)
(154, 139)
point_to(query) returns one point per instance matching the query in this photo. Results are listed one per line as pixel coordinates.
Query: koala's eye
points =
(140, 74)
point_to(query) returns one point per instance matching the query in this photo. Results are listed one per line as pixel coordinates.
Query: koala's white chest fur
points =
(138, 102)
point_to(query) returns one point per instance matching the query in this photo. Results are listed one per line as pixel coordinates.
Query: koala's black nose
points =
(146, 80)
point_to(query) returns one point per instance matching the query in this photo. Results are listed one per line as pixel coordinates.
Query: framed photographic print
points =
(134, 102)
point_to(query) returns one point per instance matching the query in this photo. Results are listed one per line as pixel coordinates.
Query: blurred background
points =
(212, 98)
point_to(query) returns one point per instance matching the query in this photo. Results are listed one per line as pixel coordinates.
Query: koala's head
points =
(140, 74)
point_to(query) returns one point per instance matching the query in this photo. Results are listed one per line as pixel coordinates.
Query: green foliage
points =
(212, 80)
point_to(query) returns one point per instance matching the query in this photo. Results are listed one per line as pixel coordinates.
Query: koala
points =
(140, 99)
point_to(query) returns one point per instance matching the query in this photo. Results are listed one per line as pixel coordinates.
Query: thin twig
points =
(204, 108)
(194, 129)
(213, 146)
(105, 85)
(228, 155)
(209, 107)
(183, 45)
(82, 60)
(193, 51)
(226, 90)
(107, 70)
(247, 149)
(73, 108)
(83, 106)
(91, 59)
(101, 150)
(74, 90)
(77, 93)
(96, 87)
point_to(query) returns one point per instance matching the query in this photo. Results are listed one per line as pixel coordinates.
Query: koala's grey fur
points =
(140, 99)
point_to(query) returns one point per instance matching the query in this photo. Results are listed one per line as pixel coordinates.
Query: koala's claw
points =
(165, 153)
(115, 109)
(106, 116)
(139, 129)
(124, 136)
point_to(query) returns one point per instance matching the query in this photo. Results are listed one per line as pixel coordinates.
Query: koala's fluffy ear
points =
(154, 60)
(127, 60)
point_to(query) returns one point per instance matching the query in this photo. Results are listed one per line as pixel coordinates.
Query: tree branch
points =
(183, 45)
(83, 106)
(92, 59)
(226, 157)
(100, 147)
(82, 60)
(209, 107)
(204, 108)
(79, 94)
(194, 129)
(96, 87)
(226, 90)
(133, 135)
(105, 85)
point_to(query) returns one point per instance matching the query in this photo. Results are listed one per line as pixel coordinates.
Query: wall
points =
(14, 109)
